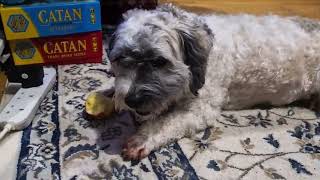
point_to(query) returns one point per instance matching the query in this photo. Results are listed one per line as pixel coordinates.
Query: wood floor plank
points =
(3, 81)
(306, 8)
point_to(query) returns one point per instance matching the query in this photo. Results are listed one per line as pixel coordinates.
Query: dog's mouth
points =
(142, 113)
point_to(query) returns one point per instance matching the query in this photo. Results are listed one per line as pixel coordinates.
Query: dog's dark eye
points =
(159, 62)
(127, 64)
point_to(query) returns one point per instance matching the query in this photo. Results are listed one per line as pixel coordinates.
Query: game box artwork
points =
(76, 48)
(50, 19)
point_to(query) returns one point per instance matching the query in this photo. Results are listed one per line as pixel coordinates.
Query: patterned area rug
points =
(263, 144)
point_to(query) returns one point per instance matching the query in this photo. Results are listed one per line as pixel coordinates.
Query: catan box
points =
(51, 19)
(70, 49)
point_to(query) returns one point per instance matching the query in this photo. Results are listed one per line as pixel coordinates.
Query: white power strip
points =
(21, 109)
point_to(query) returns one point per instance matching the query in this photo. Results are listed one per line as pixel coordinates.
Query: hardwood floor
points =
(3, 81)
(306, 8)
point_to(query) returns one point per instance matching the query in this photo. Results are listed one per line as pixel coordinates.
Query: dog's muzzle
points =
(136, 99)
(136, 102)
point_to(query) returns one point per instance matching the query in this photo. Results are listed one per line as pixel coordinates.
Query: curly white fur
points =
(253, 60)
(264, 59)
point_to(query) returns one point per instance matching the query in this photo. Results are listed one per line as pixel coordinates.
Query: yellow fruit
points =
(99, 106)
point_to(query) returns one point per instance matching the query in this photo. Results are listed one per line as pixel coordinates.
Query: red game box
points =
(71, 49)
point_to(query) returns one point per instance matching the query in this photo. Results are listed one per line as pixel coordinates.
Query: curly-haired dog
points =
(176, 70)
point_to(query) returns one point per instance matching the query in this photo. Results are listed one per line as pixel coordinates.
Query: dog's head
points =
(158, 57)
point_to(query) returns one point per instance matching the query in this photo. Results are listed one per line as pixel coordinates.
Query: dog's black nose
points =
(134, 100)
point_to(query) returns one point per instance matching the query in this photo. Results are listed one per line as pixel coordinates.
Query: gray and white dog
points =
(176, 70)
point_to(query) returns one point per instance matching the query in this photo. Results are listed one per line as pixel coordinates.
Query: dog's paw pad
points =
(135, 148)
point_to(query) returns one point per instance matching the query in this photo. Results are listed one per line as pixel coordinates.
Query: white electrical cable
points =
(20, 120)
(4, 58)
(7, 128)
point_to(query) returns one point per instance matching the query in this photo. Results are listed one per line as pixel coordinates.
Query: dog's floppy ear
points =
(196, 41)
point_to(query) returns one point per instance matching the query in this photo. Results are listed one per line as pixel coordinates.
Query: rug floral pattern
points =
(263, 144)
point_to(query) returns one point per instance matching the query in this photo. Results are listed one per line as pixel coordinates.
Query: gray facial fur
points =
(158, 59)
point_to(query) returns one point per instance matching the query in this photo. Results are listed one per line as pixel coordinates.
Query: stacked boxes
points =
(54, 33)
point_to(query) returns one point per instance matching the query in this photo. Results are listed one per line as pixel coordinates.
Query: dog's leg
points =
(155, 133)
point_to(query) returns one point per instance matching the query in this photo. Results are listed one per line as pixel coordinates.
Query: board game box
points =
(70, 49)
(50, 19)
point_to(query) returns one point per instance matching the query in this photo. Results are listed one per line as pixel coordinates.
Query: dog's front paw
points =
(136, 148)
